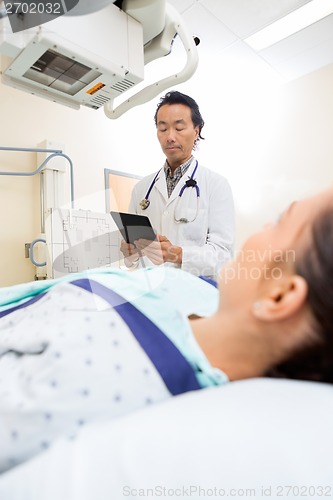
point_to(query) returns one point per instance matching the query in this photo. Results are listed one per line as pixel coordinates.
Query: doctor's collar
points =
(183, 167)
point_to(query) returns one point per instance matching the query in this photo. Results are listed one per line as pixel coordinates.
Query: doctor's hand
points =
(130, 253)
(160, 250)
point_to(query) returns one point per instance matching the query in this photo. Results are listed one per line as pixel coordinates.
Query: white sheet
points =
(273, 438)
(69, 359)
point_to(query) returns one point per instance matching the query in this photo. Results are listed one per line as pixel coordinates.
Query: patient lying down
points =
(97, 345)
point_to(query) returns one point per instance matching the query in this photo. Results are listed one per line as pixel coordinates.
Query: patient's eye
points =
(193, 316)
(281, 216)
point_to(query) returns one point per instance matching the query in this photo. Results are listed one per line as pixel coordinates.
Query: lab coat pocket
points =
(197, 226)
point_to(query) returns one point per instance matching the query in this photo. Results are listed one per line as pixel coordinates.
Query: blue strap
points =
(174, 369)
(209, 280)
(20, 306)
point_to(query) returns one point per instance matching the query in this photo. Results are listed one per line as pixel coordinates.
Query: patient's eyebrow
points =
(291, 206)
(289, 209)
(286, 212)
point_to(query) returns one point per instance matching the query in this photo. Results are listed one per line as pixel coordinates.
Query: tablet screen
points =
(133, 227)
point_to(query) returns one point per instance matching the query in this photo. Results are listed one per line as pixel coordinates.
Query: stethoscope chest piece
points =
(144, 204)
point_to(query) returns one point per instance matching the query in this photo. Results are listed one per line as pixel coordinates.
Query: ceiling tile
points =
(307, 61)
(303, 52)
(314, 35)
(240, 65)
(182, 5)
(213, 34)
(222, 24)
(245, 17)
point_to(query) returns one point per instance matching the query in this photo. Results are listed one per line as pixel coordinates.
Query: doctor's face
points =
(176, 133)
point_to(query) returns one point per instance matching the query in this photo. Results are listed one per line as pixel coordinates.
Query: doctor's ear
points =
(196, 139)
(282, 301)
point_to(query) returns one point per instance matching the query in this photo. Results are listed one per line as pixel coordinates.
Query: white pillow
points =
(256, 438)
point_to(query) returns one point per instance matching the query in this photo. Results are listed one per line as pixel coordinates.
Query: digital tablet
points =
(133, 227)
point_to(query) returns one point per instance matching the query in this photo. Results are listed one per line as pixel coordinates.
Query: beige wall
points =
(19, 218)
(273, 146)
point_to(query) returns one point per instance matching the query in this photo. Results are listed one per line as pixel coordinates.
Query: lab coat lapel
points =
(175, 192)
(160, 185)
(180, 184)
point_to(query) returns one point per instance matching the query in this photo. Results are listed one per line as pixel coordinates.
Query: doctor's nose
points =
(171, 137)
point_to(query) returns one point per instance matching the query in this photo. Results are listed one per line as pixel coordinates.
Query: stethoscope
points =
(191, 182)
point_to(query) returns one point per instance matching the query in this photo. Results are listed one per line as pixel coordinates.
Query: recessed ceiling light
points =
(297, 20)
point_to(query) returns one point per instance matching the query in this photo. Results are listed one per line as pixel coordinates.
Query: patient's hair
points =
(315, 362)
(175, 97)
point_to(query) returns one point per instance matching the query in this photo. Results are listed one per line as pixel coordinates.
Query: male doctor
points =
(190, 207)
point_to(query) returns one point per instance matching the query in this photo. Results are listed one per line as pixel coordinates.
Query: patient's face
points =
(271, 252)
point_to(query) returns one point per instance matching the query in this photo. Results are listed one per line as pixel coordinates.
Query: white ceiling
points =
(222, 25)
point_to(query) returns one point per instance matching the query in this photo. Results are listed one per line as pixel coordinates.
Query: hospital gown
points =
(94, 346)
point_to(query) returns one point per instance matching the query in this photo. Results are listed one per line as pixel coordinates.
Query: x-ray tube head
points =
(84, 7)
(94, 53)
(87, 66)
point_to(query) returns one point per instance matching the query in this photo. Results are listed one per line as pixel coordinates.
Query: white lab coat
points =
(207, 242)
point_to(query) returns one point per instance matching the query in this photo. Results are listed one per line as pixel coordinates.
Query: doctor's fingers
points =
(154, 256)
(127, 249)
(162, 238)
(147, 244)
(153, 252)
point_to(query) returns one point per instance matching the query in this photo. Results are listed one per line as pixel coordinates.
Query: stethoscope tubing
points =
(144, 204)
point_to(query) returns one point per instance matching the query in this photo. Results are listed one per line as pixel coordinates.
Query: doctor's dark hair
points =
(175, 97)
(315, 361)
